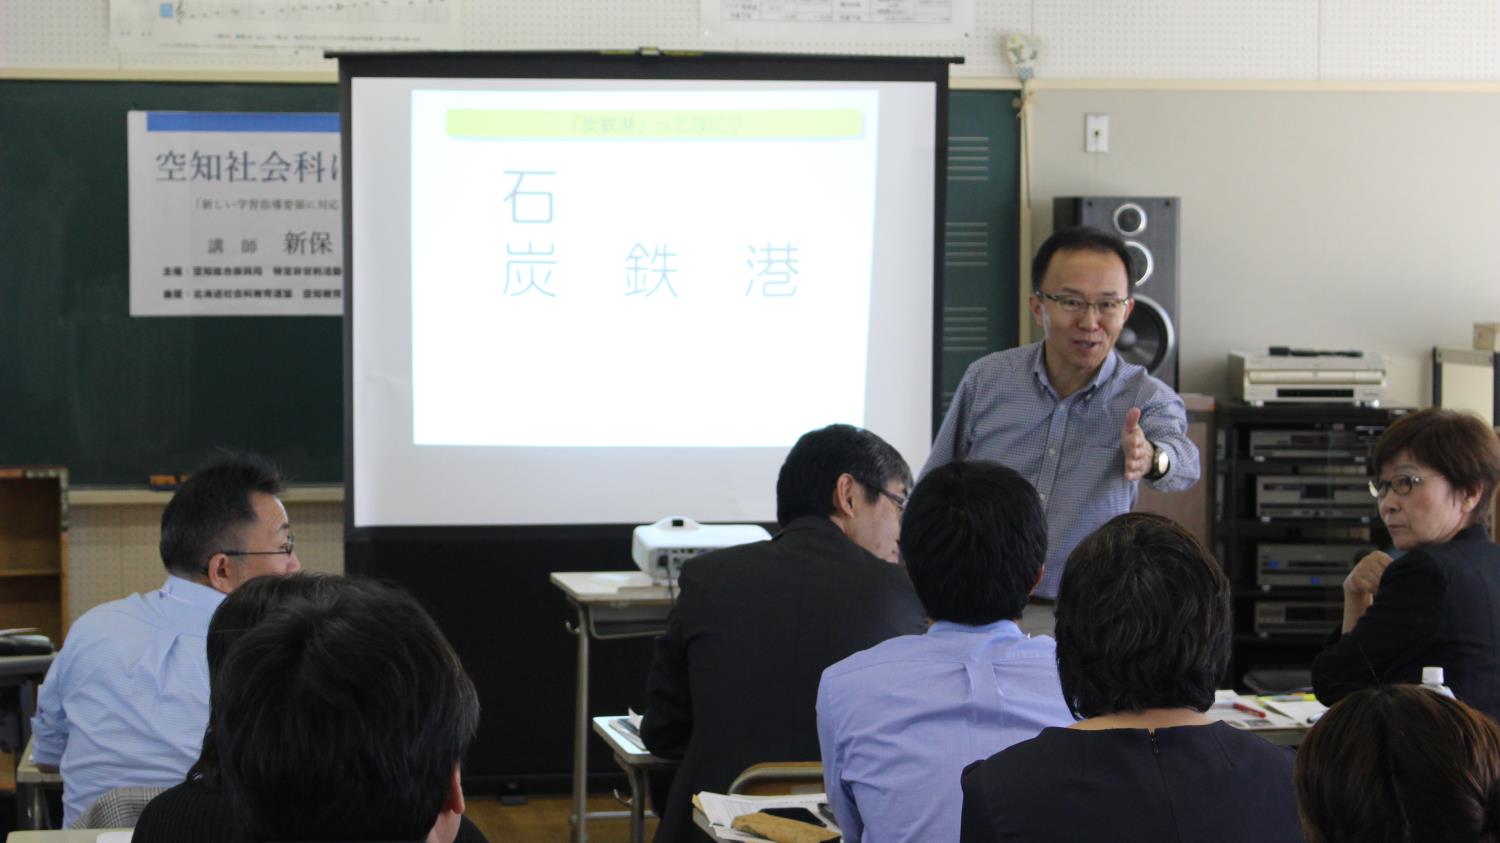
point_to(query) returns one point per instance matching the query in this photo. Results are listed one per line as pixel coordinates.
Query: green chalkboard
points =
(981, 235)
(115, 399)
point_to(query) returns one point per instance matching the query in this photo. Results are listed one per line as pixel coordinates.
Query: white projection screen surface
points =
(611, 298)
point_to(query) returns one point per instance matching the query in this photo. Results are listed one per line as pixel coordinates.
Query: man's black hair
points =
(974, 538)
(245, 607)
(208, 511)
(342, 719)
(1142, 619)
(1081, 238)
(807, 479)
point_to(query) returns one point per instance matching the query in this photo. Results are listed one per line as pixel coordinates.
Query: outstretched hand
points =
(1137, 450)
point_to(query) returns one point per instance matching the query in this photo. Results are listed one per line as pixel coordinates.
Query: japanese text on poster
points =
(235, 214)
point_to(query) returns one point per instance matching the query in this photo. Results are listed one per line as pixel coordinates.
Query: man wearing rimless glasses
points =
(1080, 424)
(125, 702)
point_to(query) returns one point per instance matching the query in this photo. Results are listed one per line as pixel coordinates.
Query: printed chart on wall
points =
(235, 214)
(564, 192)
(883, 20)
(281, 25)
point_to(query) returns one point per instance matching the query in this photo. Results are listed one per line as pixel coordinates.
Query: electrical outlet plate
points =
(1096, 133)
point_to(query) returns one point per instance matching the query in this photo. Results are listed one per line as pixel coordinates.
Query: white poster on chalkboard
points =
(283, 26)
(235, 214)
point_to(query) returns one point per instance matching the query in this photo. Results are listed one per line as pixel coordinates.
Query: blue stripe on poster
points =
(236, 121)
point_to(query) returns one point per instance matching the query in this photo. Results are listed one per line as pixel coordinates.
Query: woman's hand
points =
(1361, 584)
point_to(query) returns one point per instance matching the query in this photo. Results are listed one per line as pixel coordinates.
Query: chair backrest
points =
(117, 808)
(778, 778)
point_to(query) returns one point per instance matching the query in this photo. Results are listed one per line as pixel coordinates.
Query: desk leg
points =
(31, 800)
(581, 732)
(638, 788)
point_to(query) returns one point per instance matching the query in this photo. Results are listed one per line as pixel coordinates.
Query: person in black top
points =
(735, 678)
(197, 810)
(1397, 764)
(1143, 634)
(1438, 605)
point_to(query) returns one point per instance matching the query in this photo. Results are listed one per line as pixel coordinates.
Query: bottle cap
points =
(1432, 676)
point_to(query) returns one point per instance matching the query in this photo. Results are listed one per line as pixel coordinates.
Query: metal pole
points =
(580, 732)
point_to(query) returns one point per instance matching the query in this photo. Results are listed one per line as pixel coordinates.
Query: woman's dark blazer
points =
(1438, 605)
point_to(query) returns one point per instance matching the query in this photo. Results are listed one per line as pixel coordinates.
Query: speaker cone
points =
(1130, 219)
(1143, 264)
(1147, 338)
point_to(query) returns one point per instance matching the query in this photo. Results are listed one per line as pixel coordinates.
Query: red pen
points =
(1239, 706)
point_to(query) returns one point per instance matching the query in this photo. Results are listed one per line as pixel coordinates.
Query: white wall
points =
(1330, 220)
(1082, 39)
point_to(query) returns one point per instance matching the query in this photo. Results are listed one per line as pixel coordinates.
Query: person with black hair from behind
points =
(899, 721)
(1397, 764)
(196, 811)
(344, 718)
(1143, 633)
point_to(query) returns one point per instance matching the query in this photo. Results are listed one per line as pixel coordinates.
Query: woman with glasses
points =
(1439, 603)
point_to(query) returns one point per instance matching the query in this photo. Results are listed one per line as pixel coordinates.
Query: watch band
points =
(1161, 463)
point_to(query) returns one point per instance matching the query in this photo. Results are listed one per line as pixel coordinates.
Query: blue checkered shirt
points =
(1006, 410)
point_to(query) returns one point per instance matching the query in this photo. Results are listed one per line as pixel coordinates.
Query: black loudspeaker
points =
(1148, 224)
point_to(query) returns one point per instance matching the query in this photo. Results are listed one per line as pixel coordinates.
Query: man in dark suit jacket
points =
(735, 678)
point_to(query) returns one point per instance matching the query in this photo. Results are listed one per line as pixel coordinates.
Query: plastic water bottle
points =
(1432, 680)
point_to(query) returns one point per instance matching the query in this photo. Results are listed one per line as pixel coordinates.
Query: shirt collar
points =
(998, 629)
(195, 594)
(1106, 371)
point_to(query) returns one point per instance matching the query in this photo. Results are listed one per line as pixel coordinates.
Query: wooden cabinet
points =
(34, 549)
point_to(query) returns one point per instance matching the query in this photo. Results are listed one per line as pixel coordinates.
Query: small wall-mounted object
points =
(1464, 379)
(1487, 336)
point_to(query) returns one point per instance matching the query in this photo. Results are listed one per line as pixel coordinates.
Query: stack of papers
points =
(721, 810)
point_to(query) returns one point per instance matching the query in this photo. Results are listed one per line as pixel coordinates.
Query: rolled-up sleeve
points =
(1164, 421)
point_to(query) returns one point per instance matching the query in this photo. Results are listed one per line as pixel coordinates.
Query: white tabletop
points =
(613, 587)
(74, 835)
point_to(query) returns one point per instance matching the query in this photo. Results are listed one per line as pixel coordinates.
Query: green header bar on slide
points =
(668, 124)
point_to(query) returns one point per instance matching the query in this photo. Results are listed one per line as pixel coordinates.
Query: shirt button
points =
(1043, 497)
(1051, 451)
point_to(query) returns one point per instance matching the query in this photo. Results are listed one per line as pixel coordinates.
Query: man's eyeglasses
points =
(1401, 484)
(284, 550)
(1106, 308)
(898, 500)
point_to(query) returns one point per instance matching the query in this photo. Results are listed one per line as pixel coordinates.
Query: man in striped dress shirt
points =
(1084, 426)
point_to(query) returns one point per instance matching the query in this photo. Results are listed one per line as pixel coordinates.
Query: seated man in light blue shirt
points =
(898, 722)
(126, 701)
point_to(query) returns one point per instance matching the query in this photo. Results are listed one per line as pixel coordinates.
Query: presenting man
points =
(1082, 425)
(900, 721)
(126, 700)
(735, 677)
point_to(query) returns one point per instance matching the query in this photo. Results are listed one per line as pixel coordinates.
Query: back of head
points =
(1455, 444)
(342, 718)
(204, 515)
(1142, 619)
(807, 479)
(240, 611)
(1400, 764)
(974, 538)
(1080, 238)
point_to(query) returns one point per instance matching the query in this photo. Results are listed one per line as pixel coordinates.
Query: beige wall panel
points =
(1329, 220)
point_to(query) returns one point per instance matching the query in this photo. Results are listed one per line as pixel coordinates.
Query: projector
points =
(661, 548)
